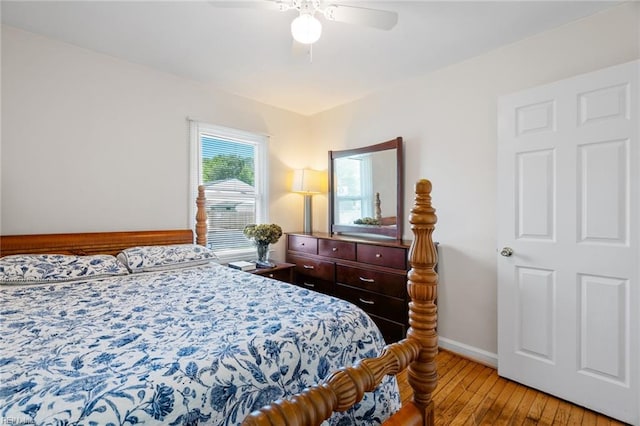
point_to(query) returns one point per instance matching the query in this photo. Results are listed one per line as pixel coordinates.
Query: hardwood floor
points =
(469, 393)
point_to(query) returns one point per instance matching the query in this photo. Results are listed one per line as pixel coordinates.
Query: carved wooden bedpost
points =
(422, 288)
(201, 217)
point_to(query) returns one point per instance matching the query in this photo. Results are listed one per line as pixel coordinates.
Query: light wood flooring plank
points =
(465, 416)
(522, 412)
(497, 404)
(562, 413)
(511, 407)
(537, 407)
(487, 402)
(549, 412)
(467, 389)
(454, 387)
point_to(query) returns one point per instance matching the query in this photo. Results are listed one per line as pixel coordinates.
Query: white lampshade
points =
(307, 181)
(306, 29)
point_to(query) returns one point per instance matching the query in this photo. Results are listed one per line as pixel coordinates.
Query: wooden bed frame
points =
(346, 387)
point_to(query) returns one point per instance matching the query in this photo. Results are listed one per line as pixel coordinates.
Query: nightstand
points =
(281, 272)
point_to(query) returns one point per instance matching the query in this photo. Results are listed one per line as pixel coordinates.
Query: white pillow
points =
(160, 258)
(45, 268)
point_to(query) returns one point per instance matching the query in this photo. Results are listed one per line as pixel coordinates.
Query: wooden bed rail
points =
(344, 388)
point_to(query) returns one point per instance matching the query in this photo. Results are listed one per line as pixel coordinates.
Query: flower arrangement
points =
(367, 221)
(263, 233)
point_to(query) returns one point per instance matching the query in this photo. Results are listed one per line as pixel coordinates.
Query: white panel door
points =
(569, 235)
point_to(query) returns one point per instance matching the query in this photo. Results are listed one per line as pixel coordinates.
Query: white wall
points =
(448, 122)
(94, 143)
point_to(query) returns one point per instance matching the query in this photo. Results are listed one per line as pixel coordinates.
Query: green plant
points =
(263, 233)
(367, 221)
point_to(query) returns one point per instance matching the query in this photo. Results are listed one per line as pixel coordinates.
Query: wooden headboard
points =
(91, 242)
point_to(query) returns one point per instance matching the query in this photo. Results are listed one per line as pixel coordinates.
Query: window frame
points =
(261, 175)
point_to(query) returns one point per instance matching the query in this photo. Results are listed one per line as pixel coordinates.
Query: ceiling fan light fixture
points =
(306, 29)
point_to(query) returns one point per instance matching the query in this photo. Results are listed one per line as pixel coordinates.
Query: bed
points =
(189, 341)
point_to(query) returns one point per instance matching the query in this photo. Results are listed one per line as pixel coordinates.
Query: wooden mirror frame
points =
(394, 232)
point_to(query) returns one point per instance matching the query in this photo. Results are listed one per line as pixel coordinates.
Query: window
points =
(231, 164)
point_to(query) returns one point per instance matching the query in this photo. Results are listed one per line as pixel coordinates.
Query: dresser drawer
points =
(313, 267)
(277, 274)
(391, 257)
(315, 284)
(337, 249)
(394, 285)
(374, 303)
(302, 244)
(391, 330)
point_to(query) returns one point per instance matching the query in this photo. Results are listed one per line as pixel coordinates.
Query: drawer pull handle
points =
(334, 249)
(368, 302)
(378, 255)
(308, 266)
(302, 244)
(367, 280)
(310, 285)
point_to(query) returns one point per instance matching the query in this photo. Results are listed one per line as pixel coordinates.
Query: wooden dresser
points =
(369, 273)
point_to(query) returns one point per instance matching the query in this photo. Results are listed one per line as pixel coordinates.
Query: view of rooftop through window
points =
(228, 174)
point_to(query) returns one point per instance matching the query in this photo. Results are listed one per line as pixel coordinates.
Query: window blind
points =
(229, 176)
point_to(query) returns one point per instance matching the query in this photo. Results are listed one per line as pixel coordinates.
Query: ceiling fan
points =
(307, 29)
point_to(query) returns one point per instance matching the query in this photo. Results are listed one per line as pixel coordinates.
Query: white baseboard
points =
(471, 352)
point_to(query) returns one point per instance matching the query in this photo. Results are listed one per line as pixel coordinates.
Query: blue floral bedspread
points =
(201, 345)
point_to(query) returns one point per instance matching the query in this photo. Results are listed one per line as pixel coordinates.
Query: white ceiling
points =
(248, 51)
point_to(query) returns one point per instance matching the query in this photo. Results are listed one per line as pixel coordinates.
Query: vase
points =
(263, 256)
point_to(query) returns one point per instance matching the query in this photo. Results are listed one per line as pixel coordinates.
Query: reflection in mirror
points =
(359, 190)
(366, 189)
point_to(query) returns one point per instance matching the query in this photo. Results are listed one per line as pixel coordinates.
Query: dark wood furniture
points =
(371, 274)
(282, 272)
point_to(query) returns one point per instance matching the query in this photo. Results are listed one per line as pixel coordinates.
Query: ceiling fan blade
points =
(277, 5)
(381, 19)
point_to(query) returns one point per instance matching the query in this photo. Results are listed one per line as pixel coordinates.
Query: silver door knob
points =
(506, 251)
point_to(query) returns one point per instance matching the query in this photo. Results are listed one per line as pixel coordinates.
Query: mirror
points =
(365, 187)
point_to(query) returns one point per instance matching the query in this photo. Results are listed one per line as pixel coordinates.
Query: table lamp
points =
(307, 182)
